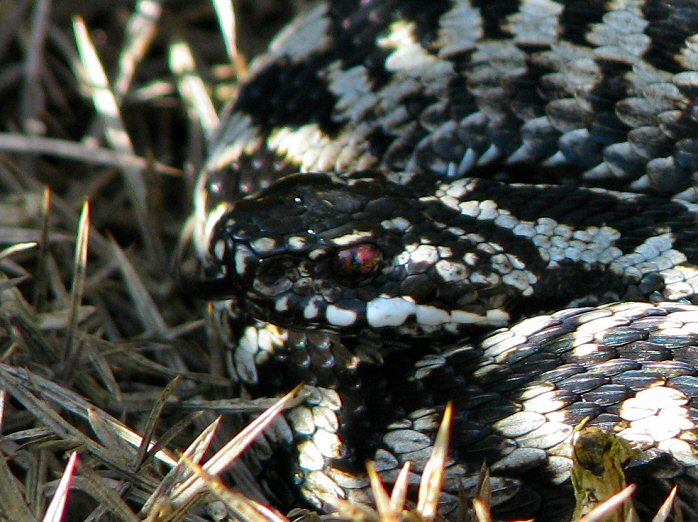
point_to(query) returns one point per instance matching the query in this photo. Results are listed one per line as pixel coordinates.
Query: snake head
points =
(344, 254)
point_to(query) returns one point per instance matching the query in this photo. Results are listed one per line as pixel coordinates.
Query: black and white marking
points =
(577, 93)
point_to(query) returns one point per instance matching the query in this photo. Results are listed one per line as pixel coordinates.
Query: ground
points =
(97, 122)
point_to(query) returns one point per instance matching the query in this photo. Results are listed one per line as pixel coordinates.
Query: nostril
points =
(270, 273)
(275, 277)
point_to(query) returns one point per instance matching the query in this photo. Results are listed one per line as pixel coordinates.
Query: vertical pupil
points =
(348, 261)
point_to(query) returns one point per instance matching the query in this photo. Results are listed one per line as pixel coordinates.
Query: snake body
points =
(476, 164)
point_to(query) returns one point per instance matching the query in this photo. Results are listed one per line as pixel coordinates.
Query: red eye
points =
(357, 261)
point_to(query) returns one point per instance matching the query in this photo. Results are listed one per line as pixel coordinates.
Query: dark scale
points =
(421, 263)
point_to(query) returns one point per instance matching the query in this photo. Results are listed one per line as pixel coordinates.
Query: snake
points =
(490, 203)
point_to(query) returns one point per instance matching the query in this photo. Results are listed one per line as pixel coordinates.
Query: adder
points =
(474, 180)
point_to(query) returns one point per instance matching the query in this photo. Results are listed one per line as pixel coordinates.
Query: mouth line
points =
(267, 311)
(210, 289)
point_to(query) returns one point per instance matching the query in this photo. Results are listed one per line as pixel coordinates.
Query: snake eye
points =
(354, 263)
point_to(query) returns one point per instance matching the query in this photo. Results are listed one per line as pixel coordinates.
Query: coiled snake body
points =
(454, 144)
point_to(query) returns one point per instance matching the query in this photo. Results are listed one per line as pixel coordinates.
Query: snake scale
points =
(476, 180)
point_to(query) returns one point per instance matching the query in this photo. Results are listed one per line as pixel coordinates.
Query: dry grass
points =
(106, 367)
